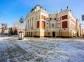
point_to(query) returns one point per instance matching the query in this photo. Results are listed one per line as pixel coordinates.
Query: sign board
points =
(82, 17)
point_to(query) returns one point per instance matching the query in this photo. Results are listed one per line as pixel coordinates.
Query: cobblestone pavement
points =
(41, 51)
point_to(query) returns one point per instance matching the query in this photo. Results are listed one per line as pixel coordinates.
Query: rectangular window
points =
(50, 18)
(38, 24)
(60, 18)
(54, 18)
(64, 24)
(43, 24)
(52, 25)
(42, 17)
(64, 17)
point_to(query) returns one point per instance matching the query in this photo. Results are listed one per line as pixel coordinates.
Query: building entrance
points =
(53, 34)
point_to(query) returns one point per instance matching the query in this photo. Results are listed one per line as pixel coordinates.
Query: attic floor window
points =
(64, 17)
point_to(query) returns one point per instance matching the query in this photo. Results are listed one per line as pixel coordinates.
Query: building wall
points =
(61, 24)
(0, 30)
(3, 28)
(82, 32)
(57, 24)
(36, 22)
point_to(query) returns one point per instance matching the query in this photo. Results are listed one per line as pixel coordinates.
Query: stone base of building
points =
(51, 34)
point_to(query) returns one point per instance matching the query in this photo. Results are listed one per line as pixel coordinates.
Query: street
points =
(42, 50)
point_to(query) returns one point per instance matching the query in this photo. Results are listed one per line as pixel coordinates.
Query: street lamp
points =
(81, 33)
(21, 21)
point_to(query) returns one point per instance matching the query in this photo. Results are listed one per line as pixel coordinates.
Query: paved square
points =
(42, 50)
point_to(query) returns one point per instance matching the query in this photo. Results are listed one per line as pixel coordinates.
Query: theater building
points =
(35, 22)
(39, 23)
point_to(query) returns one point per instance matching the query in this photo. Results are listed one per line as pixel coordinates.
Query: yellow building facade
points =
(39, 23)
(35, 22)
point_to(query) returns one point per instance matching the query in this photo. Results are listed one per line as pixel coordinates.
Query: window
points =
(38, 24)
(64, 24)
(57, 25)
(42, 17)
(52, 25)
(64, 17)
(54, 18)
(28, 23)
(32, 24)
(50, 18)
(43, 25)
(60, 18)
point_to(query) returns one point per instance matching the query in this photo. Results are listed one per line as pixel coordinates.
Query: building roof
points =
(34, 9)
(37, 6)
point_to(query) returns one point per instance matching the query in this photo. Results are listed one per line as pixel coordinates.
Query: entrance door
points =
(53, 34)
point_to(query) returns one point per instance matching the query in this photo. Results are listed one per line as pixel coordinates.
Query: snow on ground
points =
(1, 38)
(71, 50)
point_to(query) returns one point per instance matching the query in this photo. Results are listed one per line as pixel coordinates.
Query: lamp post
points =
(80, 30)
(21, 21)
(76, 28)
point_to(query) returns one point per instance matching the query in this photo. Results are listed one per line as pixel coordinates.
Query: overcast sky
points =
(12, 10)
